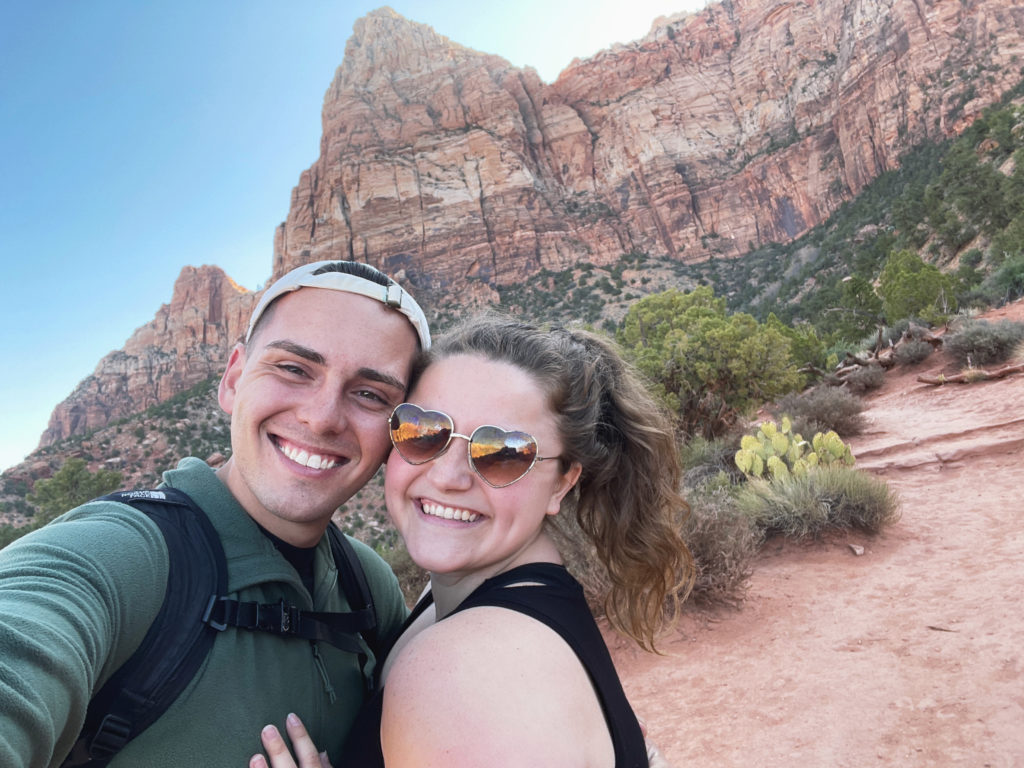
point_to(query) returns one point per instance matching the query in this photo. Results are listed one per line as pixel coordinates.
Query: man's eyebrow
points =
(299, 351)
(382, 378)
(313, 356)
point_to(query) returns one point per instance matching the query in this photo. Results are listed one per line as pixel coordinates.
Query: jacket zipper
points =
(322, 669)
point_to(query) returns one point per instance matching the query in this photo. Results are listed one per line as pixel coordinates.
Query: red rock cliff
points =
(184, 344)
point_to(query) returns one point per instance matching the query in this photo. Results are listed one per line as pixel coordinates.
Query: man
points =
(330, 350)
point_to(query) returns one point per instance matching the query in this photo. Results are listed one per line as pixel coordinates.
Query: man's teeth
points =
(449, 513)
(306, 459)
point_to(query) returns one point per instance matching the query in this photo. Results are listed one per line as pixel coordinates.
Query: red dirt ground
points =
(910, 654)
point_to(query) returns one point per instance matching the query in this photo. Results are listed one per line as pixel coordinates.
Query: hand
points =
(280, 757)
(654, 757)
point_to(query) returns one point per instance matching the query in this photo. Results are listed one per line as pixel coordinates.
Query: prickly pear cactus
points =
(774, 450)
(831, 449)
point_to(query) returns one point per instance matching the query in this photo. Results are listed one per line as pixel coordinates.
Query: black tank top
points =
(554, 598)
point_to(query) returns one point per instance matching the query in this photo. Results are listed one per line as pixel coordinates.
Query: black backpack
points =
(195, 610)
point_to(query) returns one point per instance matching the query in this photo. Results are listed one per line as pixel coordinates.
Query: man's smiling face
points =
(309, 398)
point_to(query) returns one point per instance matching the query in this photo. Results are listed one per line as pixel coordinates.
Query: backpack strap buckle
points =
(279, 618)
(215, 613)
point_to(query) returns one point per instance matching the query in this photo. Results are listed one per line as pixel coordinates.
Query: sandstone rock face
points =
(184, 344)
(746, 123)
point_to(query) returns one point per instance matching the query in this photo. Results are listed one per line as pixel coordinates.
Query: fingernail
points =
(293, 719)
(270, 731)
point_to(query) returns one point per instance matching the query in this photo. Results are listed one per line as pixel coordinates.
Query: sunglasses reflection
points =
(499, 457)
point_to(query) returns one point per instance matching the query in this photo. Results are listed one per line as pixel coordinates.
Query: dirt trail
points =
(908, 655)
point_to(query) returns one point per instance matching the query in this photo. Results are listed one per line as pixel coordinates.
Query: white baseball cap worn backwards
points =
(320, 275)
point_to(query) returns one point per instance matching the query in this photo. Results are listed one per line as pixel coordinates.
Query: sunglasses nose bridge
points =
(450, 467)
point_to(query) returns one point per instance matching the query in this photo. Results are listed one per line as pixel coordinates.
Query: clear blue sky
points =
(141, 137)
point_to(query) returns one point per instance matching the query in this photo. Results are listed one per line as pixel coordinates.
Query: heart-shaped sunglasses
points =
(498, 457)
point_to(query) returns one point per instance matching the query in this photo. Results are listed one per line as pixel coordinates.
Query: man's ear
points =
(565, 483)
(229, 380)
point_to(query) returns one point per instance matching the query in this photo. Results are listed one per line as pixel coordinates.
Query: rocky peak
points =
(184, 344)
(385, 48)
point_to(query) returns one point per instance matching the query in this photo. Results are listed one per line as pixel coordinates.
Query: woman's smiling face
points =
(451, 520)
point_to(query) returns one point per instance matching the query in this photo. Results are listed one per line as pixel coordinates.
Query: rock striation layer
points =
(749, 122)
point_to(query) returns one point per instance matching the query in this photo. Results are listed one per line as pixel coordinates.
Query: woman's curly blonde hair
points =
(627, 502)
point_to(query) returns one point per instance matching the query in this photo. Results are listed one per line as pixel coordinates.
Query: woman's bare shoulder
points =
(489, 686)
(489, 642)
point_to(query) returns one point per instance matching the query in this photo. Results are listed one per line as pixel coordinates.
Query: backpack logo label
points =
(143, 495)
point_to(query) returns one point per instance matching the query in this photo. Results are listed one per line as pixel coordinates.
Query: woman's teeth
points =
(448, 513)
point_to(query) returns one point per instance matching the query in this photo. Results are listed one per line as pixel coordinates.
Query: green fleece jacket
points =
(76, 599)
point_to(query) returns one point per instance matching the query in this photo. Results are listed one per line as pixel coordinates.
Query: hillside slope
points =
(908, 655)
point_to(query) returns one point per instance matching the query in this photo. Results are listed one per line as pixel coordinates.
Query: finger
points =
(277, 750)
(305, 749)
(643, 726)
(654, 757)
(257, 761)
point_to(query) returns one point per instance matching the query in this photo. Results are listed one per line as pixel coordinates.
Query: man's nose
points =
(324, 411)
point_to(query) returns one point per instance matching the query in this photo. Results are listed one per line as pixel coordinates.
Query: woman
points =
(501, 662)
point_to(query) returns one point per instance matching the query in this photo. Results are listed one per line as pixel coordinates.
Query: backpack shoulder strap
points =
(178, 640)
(354, 584)
(342, 629)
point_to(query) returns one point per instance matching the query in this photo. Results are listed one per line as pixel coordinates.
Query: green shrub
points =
(827, 498)
(912, 352)
(73, 484)
(821, 409)
(1007, 282)
(910, 287)
(865, 378)
(706, 365)
(979, 342)
(9, 533)
(723, 542)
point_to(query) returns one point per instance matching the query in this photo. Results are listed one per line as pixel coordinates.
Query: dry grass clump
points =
(912, 352)
(580, 558)
(864, 379)
(709, 461)
(411, 578)
(833, 497)
(720, 537)
(971, 375)
(907, 328)
(821, 409)
(979, 342)
(724, 544)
